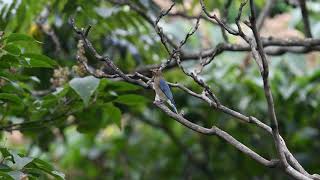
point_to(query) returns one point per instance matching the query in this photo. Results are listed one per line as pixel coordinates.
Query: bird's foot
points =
(158, 101)
(181, 113)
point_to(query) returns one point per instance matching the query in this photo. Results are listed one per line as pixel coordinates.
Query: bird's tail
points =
(173, 105)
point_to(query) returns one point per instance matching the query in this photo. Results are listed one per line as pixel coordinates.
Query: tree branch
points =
(305, 18)
(258, 51)
(220, 133)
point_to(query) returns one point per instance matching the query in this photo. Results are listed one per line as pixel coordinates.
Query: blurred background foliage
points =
(74, 126)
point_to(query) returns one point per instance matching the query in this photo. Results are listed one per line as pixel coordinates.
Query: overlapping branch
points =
(259, 48)
(213, 131)
(272, 46)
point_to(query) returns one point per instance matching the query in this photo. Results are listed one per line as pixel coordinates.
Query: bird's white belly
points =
(160, 94)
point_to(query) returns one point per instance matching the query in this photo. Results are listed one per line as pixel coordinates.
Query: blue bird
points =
(162, 89)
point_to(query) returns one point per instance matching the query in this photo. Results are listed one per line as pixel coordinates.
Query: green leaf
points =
(19, 37)
(58, 174)
(5, 152)
(131, 99)
(10, 97)
(114, 114)
(87, 124)
(121, 86)
(44, 166)
(4, 175)
(38, 60)
(12, 49)
(47, 101)
(62, 91)
(106, 113)
(8, 60)
(85, 87)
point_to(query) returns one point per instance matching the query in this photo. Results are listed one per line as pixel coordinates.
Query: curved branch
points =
(220, 133)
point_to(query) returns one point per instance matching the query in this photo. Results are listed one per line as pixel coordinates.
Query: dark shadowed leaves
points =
(131, 99)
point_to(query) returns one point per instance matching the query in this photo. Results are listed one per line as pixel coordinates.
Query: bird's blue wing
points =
(166, 89)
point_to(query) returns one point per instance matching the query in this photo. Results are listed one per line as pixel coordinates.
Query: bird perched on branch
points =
(162, 89)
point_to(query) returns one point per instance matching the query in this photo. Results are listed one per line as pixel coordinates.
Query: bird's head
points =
(156, 72)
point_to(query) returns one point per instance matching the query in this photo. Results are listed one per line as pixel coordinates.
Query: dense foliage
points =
(57, 121)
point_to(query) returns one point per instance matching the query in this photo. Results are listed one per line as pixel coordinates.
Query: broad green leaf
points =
(121, 86)
(48, 168)
(58, 174)
(5, 152)
(107, 113)
(87, 124)
(48, 101)
(5, 175)
(19, 37)
(38, 60)
(8, 60)
(84, 87)
(43, 164)
(12, 49)
(10, 97)
(131, 99)
(61, 91)
(113, 113)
